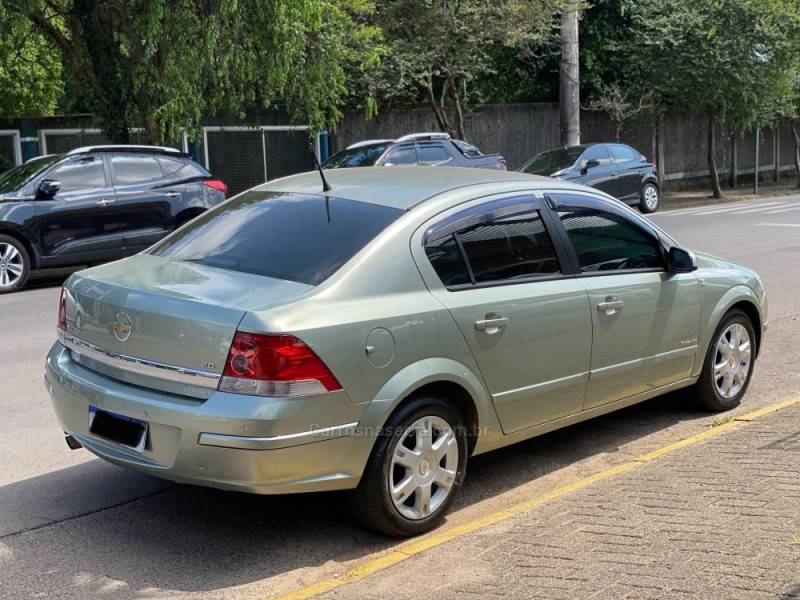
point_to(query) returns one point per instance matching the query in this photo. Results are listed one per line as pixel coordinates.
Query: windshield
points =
(551, 161)
(364, 156)
(16, 178)
(297, 237)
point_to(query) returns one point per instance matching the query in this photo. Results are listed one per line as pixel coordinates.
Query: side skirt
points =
(495, 442)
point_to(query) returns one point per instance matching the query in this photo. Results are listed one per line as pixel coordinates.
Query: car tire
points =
(406, 513)
(15, 264)
(725, 364)
(650, 198)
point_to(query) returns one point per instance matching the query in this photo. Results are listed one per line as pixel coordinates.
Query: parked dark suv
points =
(96, 204)
(423, 149)
(616, 169)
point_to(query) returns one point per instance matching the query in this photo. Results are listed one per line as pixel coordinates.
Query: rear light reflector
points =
(274, 365)
(216, 184)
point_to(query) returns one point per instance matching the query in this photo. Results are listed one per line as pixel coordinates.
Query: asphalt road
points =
(72, 526)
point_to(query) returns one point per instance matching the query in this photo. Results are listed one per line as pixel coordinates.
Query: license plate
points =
(126, 431)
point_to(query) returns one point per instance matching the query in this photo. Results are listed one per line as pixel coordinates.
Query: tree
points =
(724, 59)
(569, 96)
(163, 64)
(30, 69)
(618, 105)
(439, 50)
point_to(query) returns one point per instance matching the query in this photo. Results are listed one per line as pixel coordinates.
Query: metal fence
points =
(241, 156)
(10, 149)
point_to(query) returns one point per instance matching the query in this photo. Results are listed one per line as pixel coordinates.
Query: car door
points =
(145, 199)
(601, 176)
(494, 266)
(628, 167)
(77, 223)
(646, 321)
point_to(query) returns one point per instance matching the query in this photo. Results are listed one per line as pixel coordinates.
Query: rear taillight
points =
(655, 167)
(216, 184)
(61, 330)
(274, 365)
(503, 162)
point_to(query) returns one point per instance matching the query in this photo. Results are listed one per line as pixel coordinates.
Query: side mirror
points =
(679, 261)
(47, 189)
(589, 164)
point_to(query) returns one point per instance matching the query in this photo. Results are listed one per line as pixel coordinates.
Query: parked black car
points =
(616, 169)
(426, 149)
(96, 204)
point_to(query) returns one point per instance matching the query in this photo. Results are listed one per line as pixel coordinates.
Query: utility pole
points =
(569, 99)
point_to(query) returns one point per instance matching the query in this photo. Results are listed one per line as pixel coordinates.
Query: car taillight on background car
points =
(62, 314)
(274, 365)
(216, 184)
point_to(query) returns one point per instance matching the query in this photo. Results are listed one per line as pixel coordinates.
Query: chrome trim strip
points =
(140, 366)
(242, 442)
(543, 385)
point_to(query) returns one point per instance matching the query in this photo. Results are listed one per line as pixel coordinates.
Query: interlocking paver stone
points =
(720, 519)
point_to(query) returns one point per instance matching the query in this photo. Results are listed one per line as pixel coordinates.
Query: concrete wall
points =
(518, 131)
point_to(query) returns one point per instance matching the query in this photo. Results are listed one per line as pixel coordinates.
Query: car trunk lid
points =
(163, 324)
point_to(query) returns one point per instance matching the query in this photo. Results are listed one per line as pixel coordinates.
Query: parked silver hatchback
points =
(373, 337)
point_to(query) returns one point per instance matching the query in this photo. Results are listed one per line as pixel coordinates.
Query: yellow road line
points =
(413, 548)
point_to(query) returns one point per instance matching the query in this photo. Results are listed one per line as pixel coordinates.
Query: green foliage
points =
(164, 63)
(727, 58)
(30, 69)
(439, 51)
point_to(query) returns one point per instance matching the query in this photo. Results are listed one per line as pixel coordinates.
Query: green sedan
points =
(373, 337)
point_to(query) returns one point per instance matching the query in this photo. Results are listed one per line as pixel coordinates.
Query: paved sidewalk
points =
(702, 196)
(720, 519)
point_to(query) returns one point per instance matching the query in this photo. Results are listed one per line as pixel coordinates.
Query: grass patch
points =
(722, 420)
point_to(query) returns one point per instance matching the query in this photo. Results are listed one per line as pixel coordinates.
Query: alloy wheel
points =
(424, 467)
(651, 197)
(12, 267)
(732, 360)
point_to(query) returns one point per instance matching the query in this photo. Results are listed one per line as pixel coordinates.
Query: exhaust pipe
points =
(72, 442)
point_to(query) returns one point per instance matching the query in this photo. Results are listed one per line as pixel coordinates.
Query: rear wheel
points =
(650, 198)
(15, 264)
(415, 471)
(729, 363)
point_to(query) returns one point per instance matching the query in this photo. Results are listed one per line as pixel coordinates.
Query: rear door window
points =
(432, 154)
(129, 170)
(401, 156)
(297, 237)
(494, 249)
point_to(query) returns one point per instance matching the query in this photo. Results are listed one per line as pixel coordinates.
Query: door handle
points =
(104, 202)
(492, 324)
(611, 305)
(172, 194)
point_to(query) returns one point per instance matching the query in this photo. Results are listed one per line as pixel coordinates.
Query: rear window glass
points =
(297, 237)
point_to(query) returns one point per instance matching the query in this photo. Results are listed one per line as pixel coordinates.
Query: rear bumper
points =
(230, 441)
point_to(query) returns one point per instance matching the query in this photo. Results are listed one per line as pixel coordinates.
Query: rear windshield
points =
(297, 237)
(363, 156)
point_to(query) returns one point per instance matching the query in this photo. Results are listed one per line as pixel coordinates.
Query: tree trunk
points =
(712, 156)
(152, 130)
(796, 136)
(441, 116)
(451, 82)
(569, 100)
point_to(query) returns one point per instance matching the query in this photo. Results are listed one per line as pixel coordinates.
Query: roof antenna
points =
(325, 185)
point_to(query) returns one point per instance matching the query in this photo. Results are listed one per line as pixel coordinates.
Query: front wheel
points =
(415, 471)
(650, 198)
(728, 365)
(15, 264)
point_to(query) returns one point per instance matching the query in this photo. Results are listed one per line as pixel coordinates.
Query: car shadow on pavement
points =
(159, 536)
